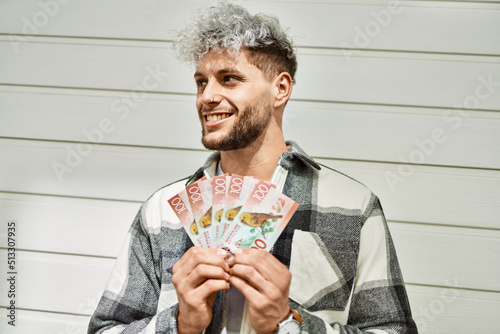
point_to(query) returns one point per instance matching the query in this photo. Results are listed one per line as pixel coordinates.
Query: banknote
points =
(281, 205)
(180, 205)
(233, 211)
(263, 216)
(239, 189)
(219, 192)
(200, 199)
(206, 219)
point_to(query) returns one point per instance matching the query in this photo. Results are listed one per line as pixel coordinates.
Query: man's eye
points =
(230, 78)
(201, 83)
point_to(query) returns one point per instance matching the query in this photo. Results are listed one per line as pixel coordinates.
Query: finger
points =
(214, 285)
(248, 256)
(256, 288)
(264, 262)
(195, 305)
(201, 293)
(197, 276)
(245, 288)
(198, 265)
(203, 272)
(195, 255)
(198, 255)
(271, 304)
(251, 276)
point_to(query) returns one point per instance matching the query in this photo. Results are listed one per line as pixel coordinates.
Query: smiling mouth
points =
(217, 117)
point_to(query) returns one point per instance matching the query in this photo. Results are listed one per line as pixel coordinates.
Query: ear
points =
(283, 84)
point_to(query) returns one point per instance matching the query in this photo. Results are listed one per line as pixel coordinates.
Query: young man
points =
(333, 269)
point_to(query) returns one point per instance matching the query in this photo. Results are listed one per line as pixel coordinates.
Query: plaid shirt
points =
(345, 273)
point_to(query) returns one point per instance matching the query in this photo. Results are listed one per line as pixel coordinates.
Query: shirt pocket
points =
(322, 276)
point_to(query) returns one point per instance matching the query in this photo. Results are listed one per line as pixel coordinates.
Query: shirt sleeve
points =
(378, 301)
(130, 300)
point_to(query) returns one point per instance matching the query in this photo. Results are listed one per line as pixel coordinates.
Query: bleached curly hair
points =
(229, 27)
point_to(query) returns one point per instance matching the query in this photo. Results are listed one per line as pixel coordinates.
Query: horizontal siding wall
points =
(96, 114)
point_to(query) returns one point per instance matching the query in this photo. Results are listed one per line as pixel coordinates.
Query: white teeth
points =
(218, 117)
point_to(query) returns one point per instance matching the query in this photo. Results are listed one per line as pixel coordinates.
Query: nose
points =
(211, 93)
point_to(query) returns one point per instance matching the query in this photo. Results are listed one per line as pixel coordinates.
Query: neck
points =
(258, 159)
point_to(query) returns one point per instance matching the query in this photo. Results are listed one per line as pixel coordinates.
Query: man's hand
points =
(197, 277)
(265, 283)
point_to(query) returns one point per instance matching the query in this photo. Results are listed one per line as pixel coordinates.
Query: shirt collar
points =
(288, 159)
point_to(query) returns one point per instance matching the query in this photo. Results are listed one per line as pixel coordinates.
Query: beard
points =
(248, 126)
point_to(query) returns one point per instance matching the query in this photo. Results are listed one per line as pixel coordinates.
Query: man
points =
(333, 269)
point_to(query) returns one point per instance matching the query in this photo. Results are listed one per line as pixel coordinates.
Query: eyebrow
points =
(220, 72)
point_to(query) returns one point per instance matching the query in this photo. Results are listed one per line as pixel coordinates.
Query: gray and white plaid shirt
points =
(345, 273)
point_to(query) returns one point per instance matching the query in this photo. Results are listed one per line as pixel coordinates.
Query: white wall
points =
(404, 96)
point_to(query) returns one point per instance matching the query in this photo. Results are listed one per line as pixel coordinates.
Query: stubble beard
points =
(249, 125)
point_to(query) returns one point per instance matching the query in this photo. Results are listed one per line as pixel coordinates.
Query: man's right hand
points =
(197, 277)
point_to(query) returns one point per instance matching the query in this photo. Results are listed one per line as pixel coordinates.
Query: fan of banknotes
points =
(232, 211)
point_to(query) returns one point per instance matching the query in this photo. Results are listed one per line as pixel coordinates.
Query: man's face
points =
(233, 101)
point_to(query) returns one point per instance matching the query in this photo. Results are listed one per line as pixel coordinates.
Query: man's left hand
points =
(265, 283)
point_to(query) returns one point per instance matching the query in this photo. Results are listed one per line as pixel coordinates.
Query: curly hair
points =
(229, 27)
